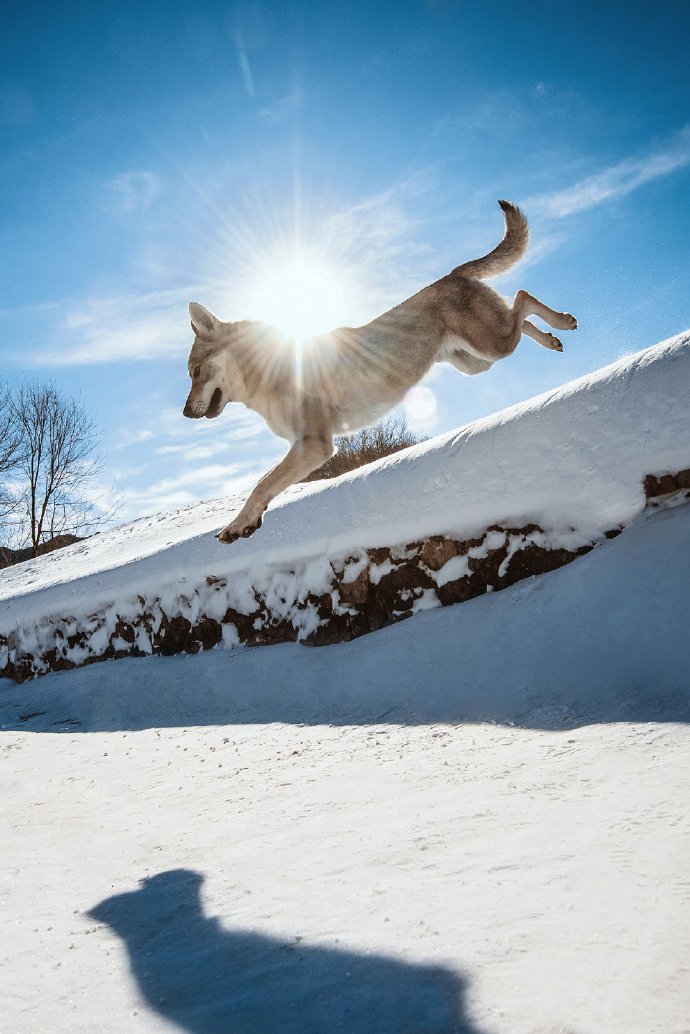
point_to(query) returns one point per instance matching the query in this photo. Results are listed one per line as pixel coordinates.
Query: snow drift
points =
(523, 491)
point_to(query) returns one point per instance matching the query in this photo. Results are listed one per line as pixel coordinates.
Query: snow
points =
(571, 460)
(473, 821)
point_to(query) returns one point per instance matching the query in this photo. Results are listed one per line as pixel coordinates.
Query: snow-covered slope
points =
(460, 850)
(560, 470)
(472, 822)
(600, 639)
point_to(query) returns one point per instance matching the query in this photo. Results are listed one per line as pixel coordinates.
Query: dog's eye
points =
(196, 371)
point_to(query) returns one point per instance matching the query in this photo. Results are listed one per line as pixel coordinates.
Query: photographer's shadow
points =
(211, 980)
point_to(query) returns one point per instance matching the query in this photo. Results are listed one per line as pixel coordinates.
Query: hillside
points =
(476, 510)
(468, 822)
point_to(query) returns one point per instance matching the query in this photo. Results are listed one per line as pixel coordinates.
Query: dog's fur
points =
(338, 382)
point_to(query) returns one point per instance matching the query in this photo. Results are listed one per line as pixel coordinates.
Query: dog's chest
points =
(278, 414)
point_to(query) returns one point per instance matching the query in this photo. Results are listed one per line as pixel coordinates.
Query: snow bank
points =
(600, 640)
(168, 865)
(554, 474)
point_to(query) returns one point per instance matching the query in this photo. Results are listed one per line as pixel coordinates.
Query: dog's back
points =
(339, 382)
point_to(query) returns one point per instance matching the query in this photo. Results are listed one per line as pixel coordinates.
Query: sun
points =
(300, 291)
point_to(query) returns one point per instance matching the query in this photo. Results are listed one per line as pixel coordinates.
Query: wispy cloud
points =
(193, 452)
(284, 108)
(123, 327)
(379, 248)
(180, 461)
(237, 424)
(189, 487)
(133, 192)
(616, 181)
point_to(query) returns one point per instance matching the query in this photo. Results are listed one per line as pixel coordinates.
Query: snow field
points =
(471, 822)
(358, 837)
(543, 871)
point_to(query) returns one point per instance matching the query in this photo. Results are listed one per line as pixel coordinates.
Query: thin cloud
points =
(616, 181)
(211, 474)
(284, 108)
(124, 327)
(193, 452)
(245, 66)
(375, 240)
(133, 192)
(237, 423)
(174, 493)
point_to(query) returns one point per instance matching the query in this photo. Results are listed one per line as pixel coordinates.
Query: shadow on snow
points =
(210, 980)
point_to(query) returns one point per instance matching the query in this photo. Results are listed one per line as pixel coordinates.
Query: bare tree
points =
(9, 448)
(56, 463)
(365, 446)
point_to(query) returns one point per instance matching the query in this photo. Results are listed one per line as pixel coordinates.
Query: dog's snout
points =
(190, 411)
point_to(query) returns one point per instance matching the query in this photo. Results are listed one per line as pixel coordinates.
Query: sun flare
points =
(300, 292)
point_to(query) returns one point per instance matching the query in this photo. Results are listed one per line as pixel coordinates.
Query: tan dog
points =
(338, 382)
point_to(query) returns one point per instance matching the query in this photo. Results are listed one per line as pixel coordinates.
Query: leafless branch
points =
(55, 464)
(365, 446)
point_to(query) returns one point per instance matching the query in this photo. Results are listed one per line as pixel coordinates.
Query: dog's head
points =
(214, 370)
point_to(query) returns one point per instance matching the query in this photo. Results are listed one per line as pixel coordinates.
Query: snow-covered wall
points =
(517, 493)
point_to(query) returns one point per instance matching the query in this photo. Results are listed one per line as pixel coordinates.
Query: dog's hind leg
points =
(525, 304)
(304, 456)
(547, 340)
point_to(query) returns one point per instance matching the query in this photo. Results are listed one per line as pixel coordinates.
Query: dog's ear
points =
(203, 320)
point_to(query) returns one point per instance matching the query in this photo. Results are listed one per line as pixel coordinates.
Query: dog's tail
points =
(505, 254)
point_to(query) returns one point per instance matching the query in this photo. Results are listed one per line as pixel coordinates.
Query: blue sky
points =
(156, 153)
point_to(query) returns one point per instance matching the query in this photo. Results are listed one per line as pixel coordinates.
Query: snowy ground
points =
(474, 821)
(571, 461)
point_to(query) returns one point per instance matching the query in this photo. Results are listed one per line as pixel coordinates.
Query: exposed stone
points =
(406, 576)
(273, 632)
(459, 591)
(437, 551)
(323, 605)
(345, 610)
(377, 556)
(208, 633)
(665, 484)
(355, 592)
(535, 559)
(244, 623)
(173, 636)
(124, 630)
(378, 614)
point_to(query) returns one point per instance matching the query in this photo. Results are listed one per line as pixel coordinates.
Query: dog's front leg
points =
(304, 456)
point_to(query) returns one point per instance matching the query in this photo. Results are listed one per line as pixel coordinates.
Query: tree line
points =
(365, 446)
(48, 463)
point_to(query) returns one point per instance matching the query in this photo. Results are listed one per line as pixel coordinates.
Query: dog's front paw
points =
(227, 535)
(569, 322)
(233, 532)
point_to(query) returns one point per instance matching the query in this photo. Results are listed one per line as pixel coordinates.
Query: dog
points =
(337, 383)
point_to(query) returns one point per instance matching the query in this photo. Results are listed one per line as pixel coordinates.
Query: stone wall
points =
(345, 598)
